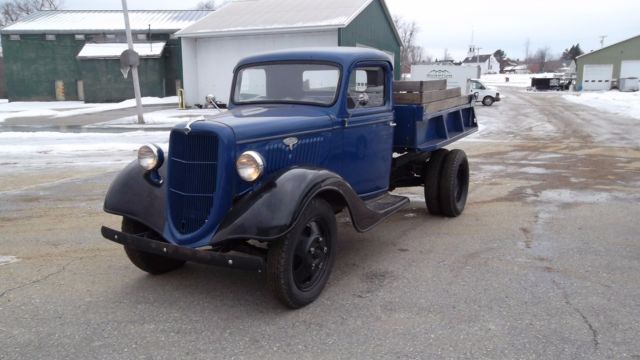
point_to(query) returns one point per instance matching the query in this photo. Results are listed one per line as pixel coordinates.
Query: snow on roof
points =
(92, 21)
(243, 17)
(114, 50)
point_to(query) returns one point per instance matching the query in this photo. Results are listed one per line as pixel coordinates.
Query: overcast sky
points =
(496, 24)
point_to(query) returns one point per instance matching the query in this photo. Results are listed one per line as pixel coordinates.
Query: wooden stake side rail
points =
(427, 97)
(419, 86)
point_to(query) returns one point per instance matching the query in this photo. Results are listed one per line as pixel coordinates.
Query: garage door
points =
(630, 68)
(597, 77)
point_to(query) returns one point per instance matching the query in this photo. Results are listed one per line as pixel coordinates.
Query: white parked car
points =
(485, 94)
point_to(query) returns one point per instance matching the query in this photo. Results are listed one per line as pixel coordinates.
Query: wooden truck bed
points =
(429, 116)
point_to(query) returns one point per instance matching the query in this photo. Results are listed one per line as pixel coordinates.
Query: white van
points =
(485, 94)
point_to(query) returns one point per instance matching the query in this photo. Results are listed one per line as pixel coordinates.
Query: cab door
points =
(368, 129)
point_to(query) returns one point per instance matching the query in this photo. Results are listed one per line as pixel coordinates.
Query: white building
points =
(212, 47)
(488, 63)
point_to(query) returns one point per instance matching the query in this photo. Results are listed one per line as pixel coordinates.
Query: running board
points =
(376, 210)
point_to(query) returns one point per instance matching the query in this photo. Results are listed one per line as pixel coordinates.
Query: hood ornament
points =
(290, 142)
(187, 128)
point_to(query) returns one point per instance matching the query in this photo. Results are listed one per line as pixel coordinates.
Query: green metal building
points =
(602, 69)
(212, 46)
(74, 55)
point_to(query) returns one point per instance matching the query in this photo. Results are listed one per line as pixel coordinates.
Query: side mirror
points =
(363, 99)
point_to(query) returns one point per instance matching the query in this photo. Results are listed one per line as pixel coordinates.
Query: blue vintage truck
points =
(309, 133)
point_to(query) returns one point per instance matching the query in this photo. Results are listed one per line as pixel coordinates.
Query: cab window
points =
(367, 88)
(476, 85)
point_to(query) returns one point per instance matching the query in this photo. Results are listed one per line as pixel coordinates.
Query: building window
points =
(111, 36)
(50, 37)
(79, 37)
(14, 37)
(141, 36)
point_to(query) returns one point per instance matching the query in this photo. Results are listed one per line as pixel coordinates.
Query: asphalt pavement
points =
(543, 264)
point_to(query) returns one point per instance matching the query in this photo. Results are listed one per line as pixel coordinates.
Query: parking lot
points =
(543, 264)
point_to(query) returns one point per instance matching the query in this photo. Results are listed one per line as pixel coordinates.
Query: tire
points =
(151, 263)
(432, 181)
(299, 263)
(488, 101)
(454, 183)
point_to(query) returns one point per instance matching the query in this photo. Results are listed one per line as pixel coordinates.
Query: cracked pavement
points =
(543, 264)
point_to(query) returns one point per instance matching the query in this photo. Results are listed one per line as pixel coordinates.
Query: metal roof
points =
(608, 46)
(474, 59)
(247, 17)
(341, 55)
(97, 21)
(114, 50)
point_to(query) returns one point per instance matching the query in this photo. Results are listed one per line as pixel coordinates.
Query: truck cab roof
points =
(344, 56)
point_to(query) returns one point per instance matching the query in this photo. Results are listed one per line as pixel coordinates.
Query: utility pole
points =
(134, 69)
(602, 37)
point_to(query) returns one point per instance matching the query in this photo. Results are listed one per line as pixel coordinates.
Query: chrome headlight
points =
(150, 157)
(250, 166)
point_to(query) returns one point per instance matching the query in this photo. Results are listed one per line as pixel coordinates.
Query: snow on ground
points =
(6, 260)
(159, 119)
(55, 149)
(58, 109)
(515, 80)
(623, 103)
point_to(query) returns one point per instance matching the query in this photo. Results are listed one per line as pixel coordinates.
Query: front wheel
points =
(488, 101)
(299, 263)
(151, 263)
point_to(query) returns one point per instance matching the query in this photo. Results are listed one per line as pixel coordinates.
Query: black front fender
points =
(272, 210)
(133, 196)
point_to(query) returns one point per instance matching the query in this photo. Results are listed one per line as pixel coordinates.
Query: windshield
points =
(305, 83)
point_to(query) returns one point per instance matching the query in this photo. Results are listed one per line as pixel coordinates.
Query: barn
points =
(74, 55)
(212, 46)
(602, 69)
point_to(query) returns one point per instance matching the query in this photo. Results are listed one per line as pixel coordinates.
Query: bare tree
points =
(542, 56)
(13, 10)
(410, 53)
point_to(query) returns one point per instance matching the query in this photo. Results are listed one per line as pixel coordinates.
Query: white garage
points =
(212, 47)
(597, 77)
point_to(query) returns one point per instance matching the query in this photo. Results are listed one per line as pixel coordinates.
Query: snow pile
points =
(27, 149)
(6, 260)
(515, 80)
(59, 109)
(614, 101)
(159, 119)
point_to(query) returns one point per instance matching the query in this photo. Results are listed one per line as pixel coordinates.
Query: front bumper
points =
(236, 261)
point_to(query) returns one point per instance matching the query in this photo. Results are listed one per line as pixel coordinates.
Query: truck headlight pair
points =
(250, 166)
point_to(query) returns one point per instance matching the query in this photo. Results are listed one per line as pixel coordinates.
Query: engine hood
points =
(251, 123)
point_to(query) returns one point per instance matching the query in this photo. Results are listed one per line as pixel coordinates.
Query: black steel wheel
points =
(151, 263)
(432, 181)
(299, 263)
(488, 101)
(454, 183)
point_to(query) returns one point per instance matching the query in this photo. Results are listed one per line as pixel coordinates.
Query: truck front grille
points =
(193, 166)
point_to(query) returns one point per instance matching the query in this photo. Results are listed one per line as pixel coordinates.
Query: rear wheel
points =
(299, 263)
(454, 183)
(488, 101)
(432, 181)
(151, 263)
